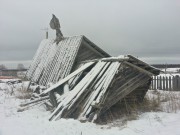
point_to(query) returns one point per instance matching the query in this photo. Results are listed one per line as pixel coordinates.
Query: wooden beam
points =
(138, 68)
(109, 59)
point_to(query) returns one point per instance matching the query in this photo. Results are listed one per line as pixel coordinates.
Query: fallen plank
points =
(68, 77)
(34, 101)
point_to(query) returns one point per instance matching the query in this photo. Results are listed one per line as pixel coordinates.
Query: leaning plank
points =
(110, 59)
(98, 80)
(35, 101)
(97, 89)
(100, 91)
(89, 80)
(68, 77)
(73, 93)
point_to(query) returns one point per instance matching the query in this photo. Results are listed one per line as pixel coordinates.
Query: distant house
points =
(53, 62)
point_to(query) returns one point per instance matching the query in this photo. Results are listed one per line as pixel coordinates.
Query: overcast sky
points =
(149, 29)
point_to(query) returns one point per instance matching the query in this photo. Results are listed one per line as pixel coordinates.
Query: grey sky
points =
(149, 29)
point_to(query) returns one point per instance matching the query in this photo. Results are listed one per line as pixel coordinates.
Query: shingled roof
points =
(53, 62)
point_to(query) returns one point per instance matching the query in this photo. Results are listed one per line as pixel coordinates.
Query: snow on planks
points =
(53, 62)
(88, 99)
(96, 85)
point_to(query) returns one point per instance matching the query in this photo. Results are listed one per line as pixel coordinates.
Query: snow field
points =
(34, 121)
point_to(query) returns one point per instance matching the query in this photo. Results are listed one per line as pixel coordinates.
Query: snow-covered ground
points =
(34, 121)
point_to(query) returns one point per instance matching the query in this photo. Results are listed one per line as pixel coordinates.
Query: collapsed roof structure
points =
(53, 62)
(87, 81)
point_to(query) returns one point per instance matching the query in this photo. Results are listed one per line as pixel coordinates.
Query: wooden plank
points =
(35, 101)
(140, 69)
(109, 59)
(105, 80)
(68, 77)
(155, 71)
(77, 91)
(98, 82)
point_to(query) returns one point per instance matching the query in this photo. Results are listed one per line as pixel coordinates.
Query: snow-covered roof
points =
(53, 62)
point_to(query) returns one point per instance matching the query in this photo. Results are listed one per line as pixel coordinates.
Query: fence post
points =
(170, 83)
(167, 88)
(155, 83)
(174, 83)
(152, 83)
(163, 83)
(160, 79)
(178, 83)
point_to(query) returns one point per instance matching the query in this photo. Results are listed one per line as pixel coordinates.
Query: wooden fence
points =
(166, 83)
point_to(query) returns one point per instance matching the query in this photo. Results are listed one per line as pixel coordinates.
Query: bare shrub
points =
(167, 101)
(155, 100)
(23, 93)
(171, 101)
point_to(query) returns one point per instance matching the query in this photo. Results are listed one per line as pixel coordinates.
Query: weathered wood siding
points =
(86, 52)
(125, 82)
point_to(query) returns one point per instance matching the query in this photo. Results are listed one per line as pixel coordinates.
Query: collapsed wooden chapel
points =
(87, 81)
